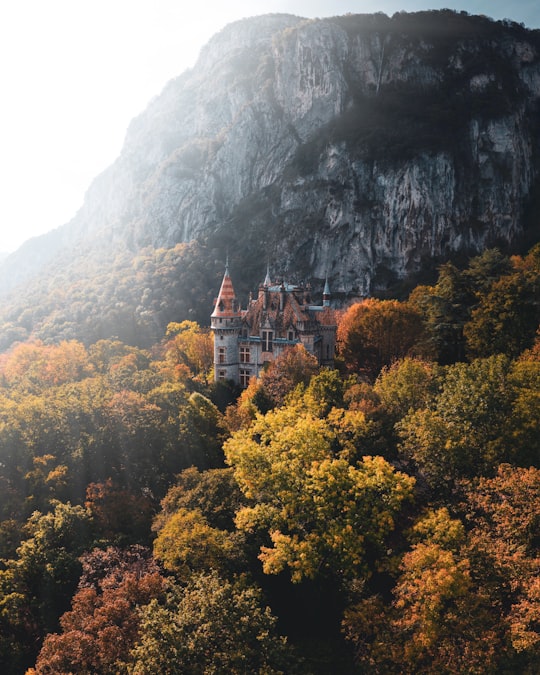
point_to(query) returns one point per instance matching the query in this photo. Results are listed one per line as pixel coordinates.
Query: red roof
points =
(226, 303)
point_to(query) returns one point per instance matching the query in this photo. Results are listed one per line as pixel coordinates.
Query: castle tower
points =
(225, 322)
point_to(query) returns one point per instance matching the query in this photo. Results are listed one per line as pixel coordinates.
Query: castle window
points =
(244, 354)
(222, 374)
(267, 340)
(221, 354)
(245, 376)
(290, 335)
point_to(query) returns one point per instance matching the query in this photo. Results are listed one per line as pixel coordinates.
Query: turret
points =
(226, 322)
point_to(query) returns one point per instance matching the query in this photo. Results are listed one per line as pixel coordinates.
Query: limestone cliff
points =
(358, 146)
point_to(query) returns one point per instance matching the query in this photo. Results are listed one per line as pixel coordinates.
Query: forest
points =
(379, 517)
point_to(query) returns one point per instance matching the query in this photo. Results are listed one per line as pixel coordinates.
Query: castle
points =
(246, 341)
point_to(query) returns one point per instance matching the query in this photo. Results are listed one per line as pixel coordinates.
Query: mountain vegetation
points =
(381, 517)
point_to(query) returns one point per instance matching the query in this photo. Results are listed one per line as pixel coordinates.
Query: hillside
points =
(381, 517)
(366, 148)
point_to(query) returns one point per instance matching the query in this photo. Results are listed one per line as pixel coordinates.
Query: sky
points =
(74, 73)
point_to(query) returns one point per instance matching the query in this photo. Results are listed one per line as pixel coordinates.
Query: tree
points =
(464, 432)
(505, 543)
(47, 482)
(324, 392)
(33, 366)
(447, 626)
(201, 433)
(408, 384)
(120, 516)
(485, 269)
(215, 493)
(374, 333)
(210, 626)
(445, 309)
(292, 367)
(191, 346)
(438, 620)
(506, 317)
(103, 623)
(36, 585)
(321, 513)
(186, 544)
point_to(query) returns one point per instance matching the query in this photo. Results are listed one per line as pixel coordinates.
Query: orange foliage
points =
(35, 366)
(374, 333)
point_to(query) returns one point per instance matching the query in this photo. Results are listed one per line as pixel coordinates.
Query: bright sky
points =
(73, 73)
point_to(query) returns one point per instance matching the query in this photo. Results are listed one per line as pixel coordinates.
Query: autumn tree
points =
(374, 333)
(103, 623)
(120, 515)
(191, 346)
(34, 366)
(292, 367)
(321, 512)
(505, 540)
(438, 620)
(187, 544)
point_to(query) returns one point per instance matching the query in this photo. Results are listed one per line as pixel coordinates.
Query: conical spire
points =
(267, 281)
(226, 303)
(326, 293)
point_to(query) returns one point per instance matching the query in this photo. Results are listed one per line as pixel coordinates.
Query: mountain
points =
(362, 147)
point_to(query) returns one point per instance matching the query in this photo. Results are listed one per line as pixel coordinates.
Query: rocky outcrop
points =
(358, 147)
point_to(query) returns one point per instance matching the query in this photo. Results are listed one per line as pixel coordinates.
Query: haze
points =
(74, 74)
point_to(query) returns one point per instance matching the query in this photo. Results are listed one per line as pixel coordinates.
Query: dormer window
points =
(290, 335)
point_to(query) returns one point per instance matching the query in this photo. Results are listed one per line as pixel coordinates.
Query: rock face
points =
(358, 147)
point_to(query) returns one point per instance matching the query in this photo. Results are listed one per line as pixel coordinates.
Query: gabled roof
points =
(285, 308)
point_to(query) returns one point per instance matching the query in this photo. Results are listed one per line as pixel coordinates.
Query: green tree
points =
(210, 626)
(464, 432)
(201, 433)
(445, 310)
(215, 493)
(36, 586)
(506, 317)
(408, 384)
